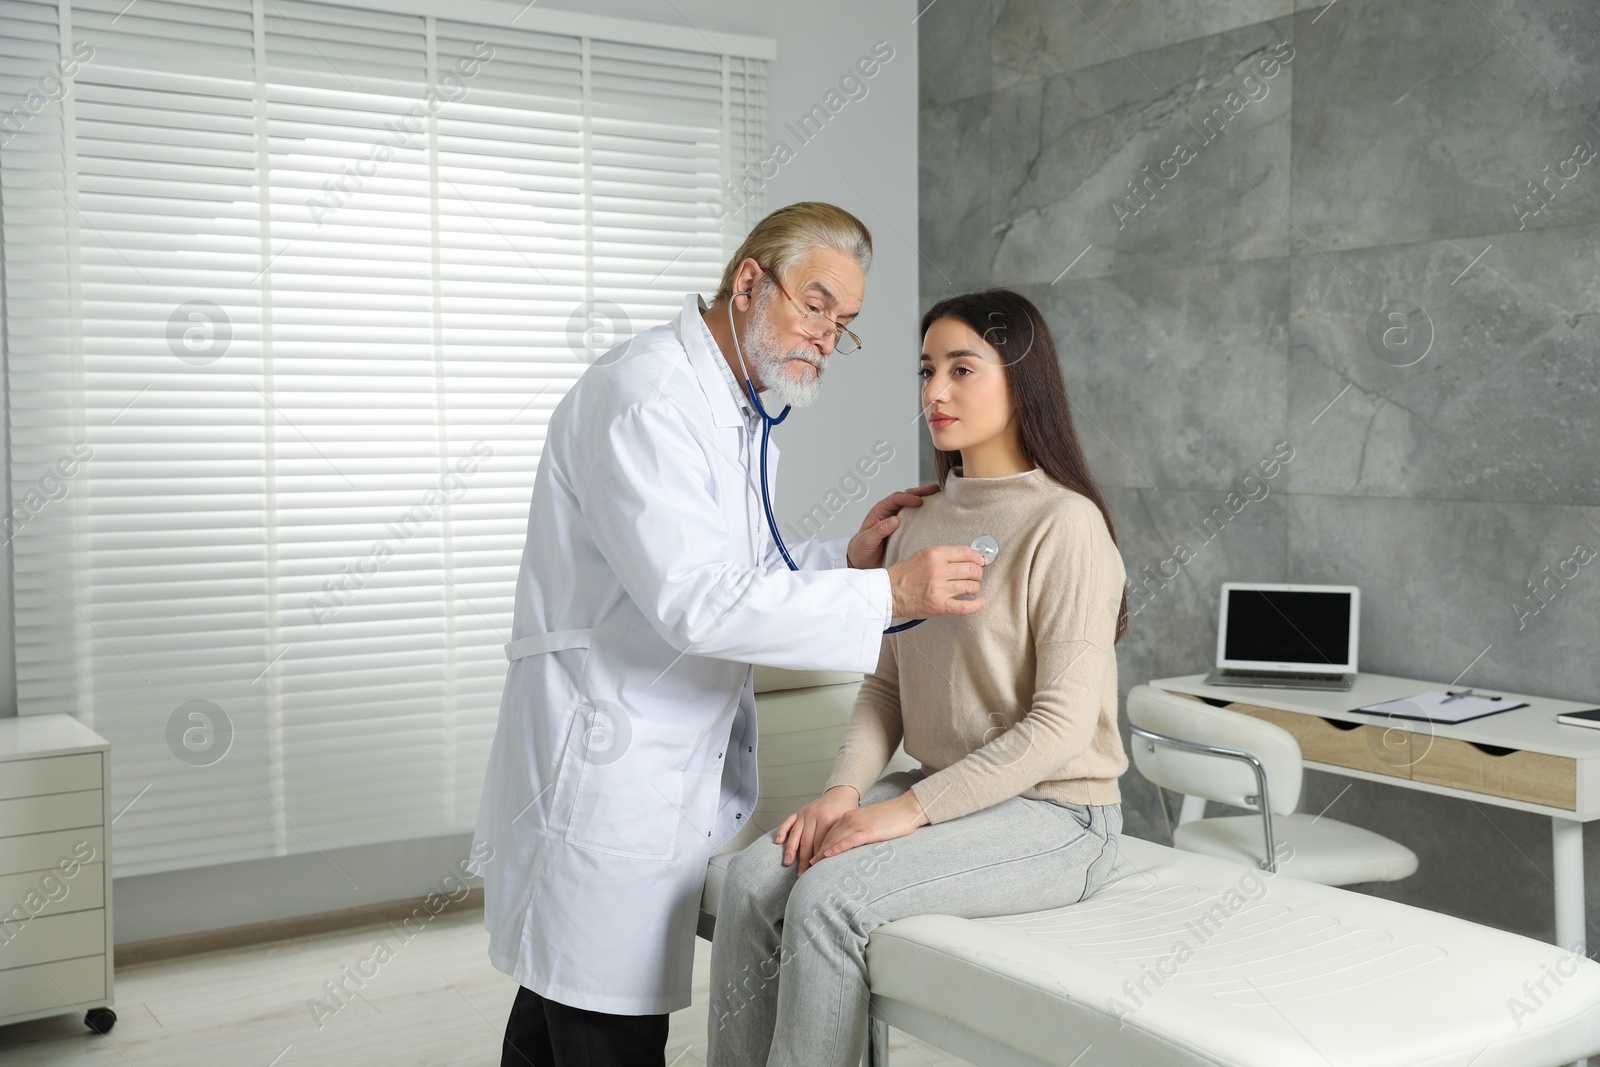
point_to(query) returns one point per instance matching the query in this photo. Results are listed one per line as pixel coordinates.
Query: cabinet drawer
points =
(1534, 777)
(49, 892)
(82, 982)
(53, 937)
(59, 811)
(1376, 749)
(35, 852)
(51, 774)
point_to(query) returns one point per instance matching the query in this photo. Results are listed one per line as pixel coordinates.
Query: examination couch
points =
(1181, 959)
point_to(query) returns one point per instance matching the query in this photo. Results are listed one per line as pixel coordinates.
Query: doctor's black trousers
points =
(542, 1033)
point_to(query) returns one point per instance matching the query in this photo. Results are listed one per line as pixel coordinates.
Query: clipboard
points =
(1443, 706)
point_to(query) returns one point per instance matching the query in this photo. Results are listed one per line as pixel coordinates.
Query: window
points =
(291, 290)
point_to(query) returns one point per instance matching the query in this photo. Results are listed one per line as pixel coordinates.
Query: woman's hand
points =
(806, 828)
(883, 821)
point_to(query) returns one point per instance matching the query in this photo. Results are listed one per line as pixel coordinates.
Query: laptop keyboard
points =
(1298, 675)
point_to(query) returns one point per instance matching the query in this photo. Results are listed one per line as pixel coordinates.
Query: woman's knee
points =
(835, 891)
(814, 904)
(757, 871)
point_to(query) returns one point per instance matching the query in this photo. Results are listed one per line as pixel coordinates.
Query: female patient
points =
(1011, 711)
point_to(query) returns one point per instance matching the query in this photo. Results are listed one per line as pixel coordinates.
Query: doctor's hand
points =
(805, 829)
(883, 821)
(926, 583)
(866, 547)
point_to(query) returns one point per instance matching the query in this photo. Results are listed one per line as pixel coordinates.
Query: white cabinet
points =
(55, 870)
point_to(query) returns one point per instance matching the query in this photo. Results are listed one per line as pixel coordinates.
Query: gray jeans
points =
(788, 962)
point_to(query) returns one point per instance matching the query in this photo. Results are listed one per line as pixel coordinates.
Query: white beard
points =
(771, 364)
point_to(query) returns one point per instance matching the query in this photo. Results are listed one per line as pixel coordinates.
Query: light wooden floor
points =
(436, 1003)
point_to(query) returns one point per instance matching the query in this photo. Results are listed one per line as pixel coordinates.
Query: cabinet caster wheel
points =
(100, 1020)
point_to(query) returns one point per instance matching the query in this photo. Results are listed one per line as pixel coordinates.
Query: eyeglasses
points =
(812, 322)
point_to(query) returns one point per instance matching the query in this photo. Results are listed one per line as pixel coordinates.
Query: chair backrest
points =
(1225, 780)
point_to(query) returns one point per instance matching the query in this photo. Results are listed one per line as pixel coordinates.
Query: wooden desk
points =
(1520, 759)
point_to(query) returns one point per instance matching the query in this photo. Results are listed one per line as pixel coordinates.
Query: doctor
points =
(625, 754)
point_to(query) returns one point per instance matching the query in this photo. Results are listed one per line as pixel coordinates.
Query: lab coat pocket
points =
(629, 800)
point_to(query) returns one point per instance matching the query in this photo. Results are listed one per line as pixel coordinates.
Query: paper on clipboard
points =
(1438, 706)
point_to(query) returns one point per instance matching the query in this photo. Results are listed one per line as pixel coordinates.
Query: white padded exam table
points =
(1297, 974)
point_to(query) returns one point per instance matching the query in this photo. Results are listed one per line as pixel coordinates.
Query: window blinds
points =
(291, 290)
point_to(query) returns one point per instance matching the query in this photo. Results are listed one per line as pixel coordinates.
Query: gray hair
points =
(783, 237)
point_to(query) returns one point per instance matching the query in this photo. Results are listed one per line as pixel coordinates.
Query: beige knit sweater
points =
(1019, 698)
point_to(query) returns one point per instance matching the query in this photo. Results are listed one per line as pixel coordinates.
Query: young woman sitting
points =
(1011, 712)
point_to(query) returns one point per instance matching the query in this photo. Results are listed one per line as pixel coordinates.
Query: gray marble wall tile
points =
(1442, 581)
(1422, 119)
(953, 169)
(1178, 379)
(1414, 126)
(1177, 551)
(953, 49)
(1034, 39)
(1503, 401)
(1179, 156)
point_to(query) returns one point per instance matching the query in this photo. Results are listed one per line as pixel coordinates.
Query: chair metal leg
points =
(877, 1042)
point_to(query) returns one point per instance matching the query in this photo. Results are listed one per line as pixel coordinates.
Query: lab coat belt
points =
(554, 641)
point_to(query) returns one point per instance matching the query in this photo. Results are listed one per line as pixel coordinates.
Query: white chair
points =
(1193, 748)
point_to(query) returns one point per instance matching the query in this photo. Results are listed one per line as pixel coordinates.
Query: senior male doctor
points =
(625, 754)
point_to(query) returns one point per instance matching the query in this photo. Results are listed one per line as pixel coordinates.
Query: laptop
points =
(1287, 636)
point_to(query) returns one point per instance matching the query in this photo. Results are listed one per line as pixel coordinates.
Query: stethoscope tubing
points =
(767, 432)
(767, 423)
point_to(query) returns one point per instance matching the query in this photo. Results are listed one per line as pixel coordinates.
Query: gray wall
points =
(864, 159)
(1231, 311)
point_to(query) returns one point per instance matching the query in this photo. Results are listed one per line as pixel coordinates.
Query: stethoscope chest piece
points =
(989, 549)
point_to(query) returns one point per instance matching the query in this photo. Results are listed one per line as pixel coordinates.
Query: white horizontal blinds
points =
(656, 141)
(35, 198)
(165, 560)
(512, 279)
(46, 415)
(39, 290)
(364, 610)
(741, 203)
(308, 281)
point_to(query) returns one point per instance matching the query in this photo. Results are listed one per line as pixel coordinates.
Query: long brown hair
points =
(1016, 330)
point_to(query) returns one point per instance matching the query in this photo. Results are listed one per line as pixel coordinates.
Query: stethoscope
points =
(985, 545)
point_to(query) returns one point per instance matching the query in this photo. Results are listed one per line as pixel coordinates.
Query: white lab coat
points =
(625, 754)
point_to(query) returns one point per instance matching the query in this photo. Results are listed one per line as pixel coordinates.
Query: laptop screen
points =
(1279, 626)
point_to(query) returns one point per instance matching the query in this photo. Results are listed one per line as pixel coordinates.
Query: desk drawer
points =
(53, 937)
(1534, 777)
(38, 893)
(81, 982)
(51, 774)
(1375, 749)
(37, 852)
(57, 811)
